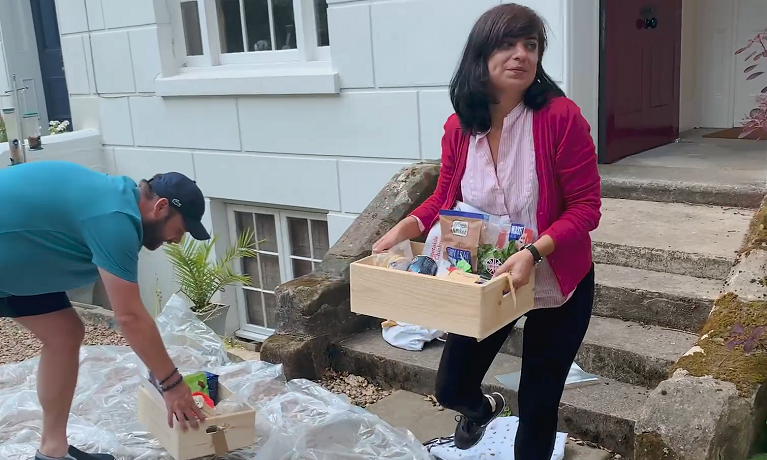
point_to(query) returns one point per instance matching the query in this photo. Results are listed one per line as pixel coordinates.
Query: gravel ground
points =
(359, 391)
(19, 344)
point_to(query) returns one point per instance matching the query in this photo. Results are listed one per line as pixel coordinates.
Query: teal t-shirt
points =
(60, 222)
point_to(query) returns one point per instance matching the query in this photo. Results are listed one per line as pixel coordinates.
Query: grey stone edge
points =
(703, 418)
(314, 310)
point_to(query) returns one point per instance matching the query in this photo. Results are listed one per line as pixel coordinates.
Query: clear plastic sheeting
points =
(575, 377)
(297, 420)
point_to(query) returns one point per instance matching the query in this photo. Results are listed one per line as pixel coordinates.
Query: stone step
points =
(603, 412)
(427, 421)
(660, 299)
(730, 188)
(622, 350)
(684, 239)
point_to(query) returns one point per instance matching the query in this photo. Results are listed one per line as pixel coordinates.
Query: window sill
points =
(244, 81)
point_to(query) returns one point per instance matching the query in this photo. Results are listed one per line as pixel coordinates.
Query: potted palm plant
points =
(200, 277)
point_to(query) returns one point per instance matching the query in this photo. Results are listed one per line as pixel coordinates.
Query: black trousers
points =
(551, 340)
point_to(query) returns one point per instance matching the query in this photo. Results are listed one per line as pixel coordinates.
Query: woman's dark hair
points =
(470, 91)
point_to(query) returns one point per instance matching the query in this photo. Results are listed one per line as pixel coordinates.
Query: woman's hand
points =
(520, 265)
(406, 229)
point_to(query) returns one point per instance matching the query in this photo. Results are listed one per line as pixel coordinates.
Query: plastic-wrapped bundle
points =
(295, 420)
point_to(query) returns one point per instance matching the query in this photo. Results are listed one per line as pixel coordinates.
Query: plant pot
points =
(215, 318)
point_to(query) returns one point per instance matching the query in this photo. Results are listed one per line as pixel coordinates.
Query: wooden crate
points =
(472, 310)
(217, 436)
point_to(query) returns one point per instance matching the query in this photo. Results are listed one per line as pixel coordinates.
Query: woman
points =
(516, 146)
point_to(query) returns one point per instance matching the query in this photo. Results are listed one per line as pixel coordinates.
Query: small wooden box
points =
(217, 436)
(472, 310)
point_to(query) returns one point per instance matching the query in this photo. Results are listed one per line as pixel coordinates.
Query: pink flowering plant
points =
(755, 53)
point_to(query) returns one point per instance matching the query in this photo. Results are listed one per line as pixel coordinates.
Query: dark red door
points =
(641, 49)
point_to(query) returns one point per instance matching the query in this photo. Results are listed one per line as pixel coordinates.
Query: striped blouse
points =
(511, 189)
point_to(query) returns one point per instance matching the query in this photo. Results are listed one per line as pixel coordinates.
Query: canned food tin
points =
(424, 265)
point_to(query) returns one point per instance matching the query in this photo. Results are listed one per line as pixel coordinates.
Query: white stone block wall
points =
(328, 153)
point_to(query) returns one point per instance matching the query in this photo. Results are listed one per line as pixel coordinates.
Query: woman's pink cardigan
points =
(568, 178)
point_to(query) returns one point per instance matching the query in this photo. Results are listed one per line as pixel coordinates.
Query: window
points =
(217, 32)
(288, 245)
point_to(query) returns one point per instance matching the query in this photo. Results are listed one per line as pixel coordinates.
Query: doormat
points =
(497, 444)
(733, 133)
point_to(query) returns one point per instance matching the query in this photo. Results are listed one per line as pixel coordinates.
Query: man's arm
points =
(137, 325)
(114, 240)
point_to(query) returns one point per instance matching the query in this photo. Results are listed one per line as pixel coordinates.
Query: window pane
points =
(267, 232)
(257, 23)
(299, 237)
(320, 240)
(270, 302)
(321, 16)
(255, 310)
(250, 268)
(284, 24)
(190, 18)
(244, 221)
(301, 267)
(230, 26)
(270, 271)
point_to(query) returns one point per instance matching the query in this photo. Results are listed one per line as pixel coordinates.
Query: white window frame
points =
(246, 329)
(307, 49)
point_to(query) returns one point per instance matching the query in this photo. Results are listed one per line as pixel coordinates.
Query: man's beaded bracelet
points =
(162, 382)
(173, 385)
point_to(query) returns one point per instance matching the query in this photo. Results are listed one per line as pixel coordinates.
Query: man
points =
(61, 226)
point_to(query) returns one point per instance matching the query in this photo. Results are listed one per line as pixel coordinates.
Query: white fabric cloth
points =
(409, 336)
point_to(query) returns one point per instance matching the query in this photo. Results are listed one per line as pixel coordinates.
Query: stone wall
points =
(314, 310)
(714, 405)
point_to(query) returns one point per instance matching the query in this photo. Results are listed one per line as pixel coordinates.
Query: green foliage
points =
(759, 457)
(3, 132)
(200, 277)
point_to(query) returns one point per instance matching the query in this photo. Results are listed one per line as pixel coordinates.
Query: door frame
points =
(602, 112)
(37, 23)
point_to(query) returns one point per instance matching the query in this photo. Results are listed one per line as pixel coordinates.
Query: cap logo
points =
(176, 202)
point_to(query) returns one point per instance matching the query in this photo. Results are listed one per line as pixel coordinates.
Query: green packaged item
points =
(198, 382)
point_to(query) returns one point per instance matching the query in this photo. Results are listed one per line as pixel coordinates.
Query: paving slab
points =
(660, 299)
(622, 350)
(244, 355)
(603, 412)
(414, 412)
(577, 452)
(694, 240)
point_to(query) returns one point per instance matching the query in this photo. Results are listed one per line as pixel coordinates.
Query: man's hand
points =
(181, 406)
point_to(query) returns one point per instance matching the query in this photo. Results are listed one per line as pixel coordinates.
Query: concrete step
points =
(729, 188)
(621, 350)
(660, 299)
(415, 413)
(604, 412)
(684, 239)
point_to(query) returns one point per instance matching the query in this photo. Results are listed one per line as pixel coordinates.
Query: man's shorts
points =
(20, 306)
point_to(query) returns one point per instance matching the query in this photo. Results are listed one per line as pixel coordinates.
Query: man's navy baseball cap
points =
(184, 196)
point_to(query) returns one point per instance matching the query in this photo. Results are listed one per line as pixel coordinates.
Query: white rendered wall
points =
(331, 153)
